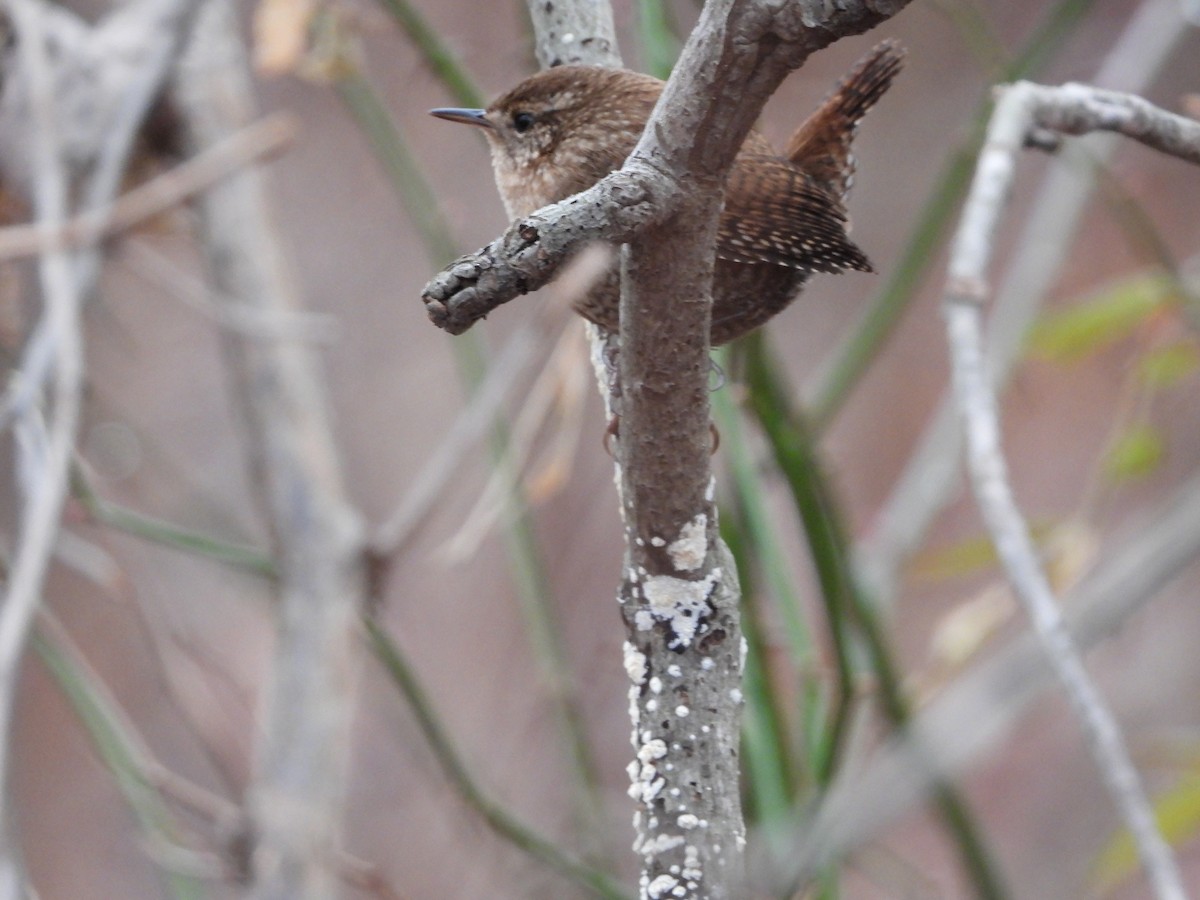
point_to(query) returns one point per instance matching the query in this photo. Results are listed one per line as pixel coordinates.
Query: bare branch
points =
(735, 60)
(1080, 109)
(68, 118)
(975, 714)
(298, 792)
(534, 249)
(46, 454)
(679, 595)
(156, 196)
(574, 34)
(933, 474)
(1021, 107)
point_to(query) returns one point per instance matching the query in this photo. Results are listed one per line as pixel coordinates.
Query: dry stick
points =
(156, 196)
(228, 819)
(932, 474)
(117, 67)
(979, 710)
(393, 535)
(536, 408)
(53, 100)
(47, 465)
(1074, 109)
(444, 464)
(298, 790)
(183, 284)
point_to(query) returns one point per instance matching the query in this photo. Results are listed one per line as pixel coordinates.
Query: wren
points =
(560, 131)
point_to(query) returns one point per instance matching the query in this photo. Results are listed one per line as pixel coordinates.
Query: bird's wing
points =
(776, 214)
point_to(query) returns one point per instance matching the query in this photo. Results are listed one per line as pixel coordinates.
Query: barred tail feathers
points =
(821, 145)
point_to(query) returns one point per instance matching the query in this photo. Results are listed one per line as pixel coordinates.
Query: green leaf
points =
(968, 556)
(1068, 335)
(1169, 365)
(1135, 453)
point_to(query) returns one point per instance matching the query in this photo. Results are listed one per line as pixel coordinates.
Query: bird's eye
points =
(522, 122)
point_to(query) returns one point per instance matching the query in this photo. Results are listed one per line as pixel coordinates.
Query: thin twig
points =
(156, 196)
(177, 281)
(933, 473)
(536, 408)
(978, 711)
(443, 464)
(47, 455)
(147, 783)
(838, 375)
(298, 790)
(117, 68)
(495, 814)
(1074, 109)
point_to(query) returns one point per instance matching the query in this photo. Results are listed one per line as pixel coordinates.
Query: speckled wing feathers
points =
(776, 213)
(790, 211)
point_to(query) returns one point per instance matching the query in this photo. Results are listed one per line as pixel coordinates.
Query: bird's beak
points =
(469, 116)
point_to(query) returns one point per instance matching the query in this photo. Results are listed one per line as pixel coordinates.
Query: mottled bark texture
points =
(679, 594)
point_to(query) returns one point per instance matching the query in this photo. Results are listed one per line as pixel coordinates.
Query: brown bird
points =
(560, 131)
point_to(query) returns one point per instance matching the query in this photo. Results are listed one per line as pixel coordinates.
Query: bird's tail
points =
(821, 145)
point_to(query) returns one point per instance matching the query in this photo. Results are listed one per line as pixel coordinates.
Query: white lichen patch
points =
(661, 886)
(656, 684)
(643, 619)
(661, 843)
(674, 671)
(680, 603)
(687, 551)
(735, 695)
(682, 711)
(687, 821)
(707, 664)
(635, 663)
(692, 870)
(645, 781)
(653, 749)
(656, 541)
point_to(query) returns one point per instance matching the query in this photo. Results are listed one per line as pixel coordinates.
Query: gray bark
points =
(297, 795)
(679, 594)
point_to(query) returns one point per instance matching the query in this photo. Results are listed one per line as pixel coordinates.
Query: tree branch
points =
(679, 594)
(45, 453)
(736, 58)
(70, 114)
(975, 714)
(297, 795)
(1076, 109)
(933, 473)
